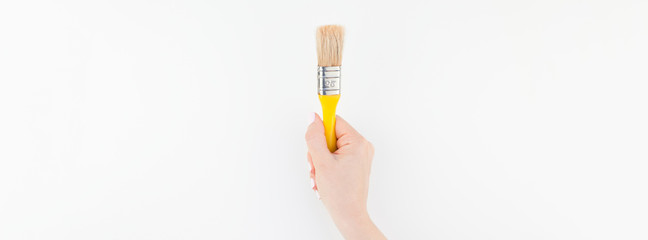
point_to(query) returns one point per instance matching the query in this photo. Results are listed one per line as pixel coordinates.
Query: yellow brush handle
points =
(329, 103)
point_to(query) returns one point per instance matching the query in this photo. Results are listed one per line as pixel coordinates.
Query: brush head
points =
(330, 40)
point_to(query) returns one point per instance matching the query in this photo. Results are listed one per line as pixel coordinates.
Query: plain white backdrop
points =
(185, 119)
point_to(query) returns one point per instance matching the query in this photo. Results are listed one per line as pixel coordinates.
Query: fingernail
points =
(312, 183)
(311, 117)
(317, 194)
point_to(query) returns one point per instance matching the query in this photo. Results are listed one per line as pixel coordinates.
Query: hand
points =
(342, 178)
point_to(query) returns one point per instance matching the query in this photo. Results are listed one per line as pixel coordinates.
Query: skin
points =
(342, 178)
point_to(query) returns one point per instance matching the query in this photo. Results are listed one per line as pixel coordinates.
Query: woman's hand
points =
(342, 178)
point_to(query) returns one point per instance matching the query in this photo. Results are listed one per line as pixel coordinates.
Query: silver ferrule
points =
(328, 80)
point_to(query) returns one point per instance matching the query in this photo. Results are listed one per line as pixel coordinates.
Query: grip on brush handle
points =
(329, 104)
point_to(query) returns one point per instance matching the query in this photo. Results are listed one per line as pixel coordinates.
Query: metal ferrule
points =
(328, 80)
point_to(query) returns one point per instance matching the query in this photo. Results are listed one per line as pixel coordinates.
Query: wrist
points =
(358, 226)
(352, 219)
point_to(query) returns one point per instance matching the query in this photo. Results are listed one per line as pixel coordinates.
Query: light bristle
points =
(330, 41)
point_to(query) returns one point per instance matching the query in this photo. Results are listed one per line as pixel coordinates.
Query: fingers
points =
(312, 172)
(316, 141)
(310, 164)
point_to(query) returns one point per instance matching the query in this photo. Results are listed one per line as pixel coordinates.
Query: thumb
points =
(315, 140)
(346, 134)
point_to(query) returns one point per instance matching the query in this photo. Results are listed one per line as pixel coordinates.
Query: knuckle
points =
(308, 135)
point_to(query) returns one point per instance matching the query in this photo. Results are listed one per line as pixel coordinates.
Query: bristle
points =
(330, 40)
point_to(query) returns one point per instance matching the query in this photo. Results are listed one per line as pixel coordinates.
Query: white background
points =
(185, 119)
